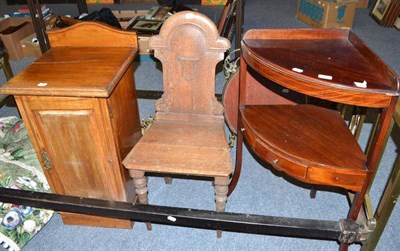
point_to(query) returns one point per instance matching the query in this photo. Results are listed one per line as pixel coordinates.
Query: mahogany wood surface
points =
(336, 53)
(259, 90)
(80, 109)
(302, 138)
(310, 143)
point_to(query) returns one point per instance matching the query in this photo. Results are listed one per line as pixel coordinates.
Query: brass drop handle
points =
(46, 160)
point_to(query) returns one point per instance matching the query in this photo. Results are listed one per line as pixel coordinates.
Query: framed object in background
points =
(397, 23)
(146, 26)
(380, 8)
(386, 12)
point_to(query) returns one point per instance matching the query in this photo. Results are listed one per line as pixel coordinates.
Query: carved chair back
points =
(189, 48)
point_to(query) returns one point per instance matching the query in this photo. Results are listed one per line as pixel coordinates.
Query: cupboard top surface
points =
(335, 59)
(73, 71)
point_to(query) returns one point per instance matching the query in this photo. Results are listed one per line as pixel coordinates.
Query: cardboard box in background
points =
(362, 4)
(11, 41)
(327, 13)
(29, 47)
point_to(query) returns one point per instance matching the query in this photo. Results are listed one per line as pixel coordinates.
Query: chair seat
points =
(182, 147)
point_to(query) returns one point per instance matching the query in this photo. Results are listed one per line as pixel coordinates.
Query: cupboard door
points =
(73, 139)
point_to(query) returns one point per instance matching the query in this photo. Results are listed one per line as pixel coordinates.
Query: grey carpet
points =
(259, 191)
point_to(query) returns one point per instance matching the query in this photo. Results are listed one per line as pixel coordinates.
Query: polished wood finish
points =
(341, 54)
(100, 35)
(94, 74)
(80, 109)
(256, 93)
(310, 143)
(187, 136)
(293, 140)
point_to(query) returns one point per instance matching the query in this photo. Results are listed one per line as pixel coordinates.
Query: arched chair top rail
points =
(194, 18)
(189, 48)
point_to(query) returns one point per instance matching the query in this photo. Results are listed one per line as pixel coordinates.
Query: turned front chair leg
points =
(221, 196)
(140, 184)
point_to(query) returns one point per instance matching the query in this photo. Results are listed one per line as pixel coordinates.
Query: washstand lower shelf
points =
(310, 143)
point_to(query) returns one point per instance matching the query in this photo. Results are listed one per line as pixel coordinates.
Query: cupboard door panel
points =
(81, 166)
(72, 132)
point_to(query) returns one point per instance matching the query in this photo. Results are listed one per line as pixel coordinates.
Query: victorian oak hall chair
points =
(187, 136)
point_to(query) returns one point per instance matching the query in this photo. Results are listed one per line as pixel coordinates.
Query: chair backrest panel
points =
(189, 48)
